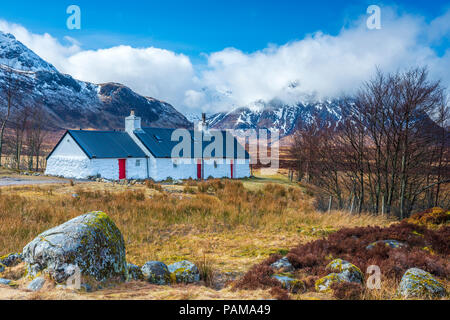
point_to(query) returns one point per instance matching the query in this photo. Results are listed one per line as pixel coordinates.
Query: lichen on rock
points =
(92, 242)
(185, 272)
(289, 283)
(344, 271)
(11, 260)
(156, 272)
(417, 283)
(347, 271)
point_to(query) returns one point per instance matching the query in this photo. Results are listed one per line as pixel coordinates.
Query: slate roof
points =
(159, 142)
(105, 144)
(118, 144)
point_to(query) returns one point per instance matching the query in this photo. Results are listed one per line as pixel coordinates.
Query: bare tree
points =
(10, 92)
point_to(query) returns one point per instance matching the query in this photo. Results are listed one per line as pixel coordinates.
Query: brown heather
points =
(426, 249)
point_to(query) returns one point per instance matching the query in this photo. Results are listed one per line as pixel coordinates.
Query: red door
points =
(232, 167)
(122, 170)
(199, 169)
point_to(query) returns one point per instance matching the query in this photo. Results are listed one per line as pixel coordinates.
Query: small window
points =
(138, 163)
(215, 164)
(175, 164)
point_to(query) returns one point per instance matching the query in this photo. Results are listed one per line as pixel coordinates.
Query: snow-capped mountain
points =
(275, 115)
(71, 103)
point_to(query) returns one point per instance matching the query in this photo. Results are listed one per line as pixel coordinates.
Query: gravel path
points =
(5, 181)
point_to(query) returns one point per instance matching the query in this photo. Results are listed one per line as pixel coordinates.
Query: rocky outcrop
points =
(417, 283)
(91, 242)
(156, 272)
(184, 272)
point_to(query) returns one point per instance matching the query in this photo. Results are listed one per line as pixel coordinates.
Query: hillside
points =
(71, 103)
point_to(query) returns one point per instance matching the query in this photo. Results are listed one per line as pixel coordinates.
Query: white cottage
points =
(143, 153)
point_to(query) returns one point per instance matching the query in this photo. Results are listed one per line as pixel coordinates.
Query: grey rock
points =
(5, 282)
(291, 284)
(344, 271)
(417, 283)
(91, 241)
(394, 244)
(185, 271)
(36, 284)
(11, 259)
(134, 272)
(86, 287)
(283, 265)
(156, 272)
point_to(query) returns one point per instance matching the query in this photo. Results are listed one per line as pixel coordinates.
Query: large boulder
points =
(90, 242)
(184, 271)
(417, 283)
(156, 272)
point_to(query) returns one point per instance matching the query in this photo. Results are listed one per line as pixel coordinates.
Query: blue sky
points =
(215, 55)
(199, 26)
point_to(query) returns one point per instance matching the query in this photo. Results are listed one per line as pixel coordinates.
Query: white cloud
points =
(325, 65)
(320, 64)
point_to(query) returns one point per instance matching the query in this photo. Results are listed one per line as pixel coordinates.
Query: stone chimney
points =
(132, 123)
(202, 125)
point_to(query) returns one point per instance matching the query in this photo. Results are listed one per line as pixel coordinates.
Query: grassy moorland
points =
(225, 227)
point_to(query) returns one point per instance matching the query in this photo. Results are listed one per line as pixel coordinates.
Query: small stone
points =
(291, 284)
(11, 259)
(347, 271)
(283, 265)
(2, 267)
(394, 244)
(156, 272)
(86, 287)
(134, 272)
(5, 282)
(36, 284)
(74, 195)
(417, 283)
(185, 272)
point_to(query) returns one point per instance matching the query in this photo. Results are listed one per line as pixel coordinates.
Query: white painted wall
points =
(69, 167)
(164, 168)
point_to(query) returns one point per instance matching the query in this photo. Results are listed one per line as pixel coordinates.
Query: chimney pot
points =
(204, 117)
(132, 112)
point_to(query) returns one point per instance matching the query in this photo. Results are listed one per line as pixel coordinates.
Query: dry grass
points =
(226, 227)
